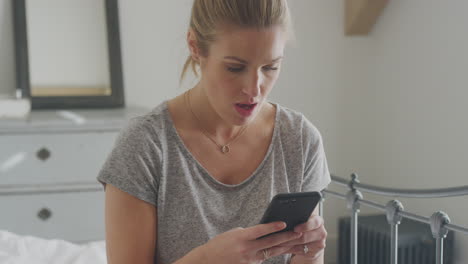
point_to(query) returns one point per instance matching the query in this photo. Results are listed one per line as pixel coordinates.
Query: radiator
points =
(415, 242)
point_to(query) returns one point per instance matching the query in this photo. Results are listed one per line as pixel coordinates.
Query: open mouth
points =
(245, 109)
(246, 106)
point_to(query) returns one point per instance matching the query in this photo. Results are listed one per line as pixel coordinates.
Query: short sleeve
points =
(134, 162)
(316, 173)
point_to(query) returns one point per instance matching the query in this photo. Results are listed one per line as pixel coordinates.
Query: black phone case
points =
(291, 208)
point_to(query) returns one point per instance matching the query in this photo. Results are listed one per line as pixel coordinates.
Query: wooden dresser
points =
(48, 169)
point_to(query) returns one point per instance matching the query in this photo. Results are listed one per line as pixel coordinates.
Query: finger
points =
(273, 252)
(315, 249)
(314, 222)
(254, 232)
(275, 240)
(309, 237)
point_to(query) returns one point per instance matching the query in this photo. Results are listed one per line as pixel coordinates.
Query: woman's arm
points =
(130, 228)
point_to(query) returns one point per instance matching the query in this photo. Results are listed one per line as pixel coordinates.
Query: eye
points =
(235, 69)
(270, 68)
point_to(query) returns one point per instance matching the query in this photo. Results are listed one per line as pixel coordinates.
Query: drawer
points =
(75, 217)
(52, 158)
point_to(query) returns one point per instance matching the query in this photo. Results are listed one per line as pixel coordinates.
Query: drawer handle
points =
(43, 154)
(44, 214)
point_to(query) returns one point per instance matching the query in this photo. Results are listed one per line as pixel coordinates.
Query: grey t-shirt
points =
(151, 162)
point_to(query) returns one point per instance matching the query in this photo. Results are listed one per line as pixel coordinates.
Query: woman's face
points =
(240, 70)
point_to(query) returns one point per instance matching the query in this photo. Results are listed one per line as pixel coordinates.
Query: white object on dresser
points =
(48, 169)
(14, 108)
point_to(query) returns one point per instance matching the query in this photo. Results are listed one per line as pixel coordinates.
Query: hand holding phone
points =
(291, 208)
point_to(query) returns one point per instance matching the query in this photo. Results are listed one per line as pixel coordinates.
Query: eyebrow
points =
(245, 62)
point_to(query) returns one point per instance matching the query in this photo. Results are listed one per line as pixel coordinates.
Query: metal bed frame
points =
(439, 221)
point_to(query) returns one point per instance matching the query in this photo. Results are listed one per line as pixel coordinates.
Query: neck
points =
(207, 118)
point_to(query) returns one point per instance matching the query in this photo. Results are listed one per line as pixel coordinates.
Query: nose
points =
(253, 85)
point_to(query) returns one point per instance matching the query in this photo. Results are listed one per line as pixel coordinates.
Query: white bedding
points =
(16, 249)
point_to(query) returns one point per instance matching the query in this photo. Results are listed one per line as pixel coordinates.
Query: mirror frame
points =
(114, 100)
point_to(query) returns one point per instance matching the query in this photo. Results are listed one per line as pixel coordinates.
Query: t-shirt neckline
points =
(206, 173)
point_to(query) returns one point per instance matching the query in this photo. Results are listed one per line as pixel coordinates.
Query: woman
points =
(189, 181)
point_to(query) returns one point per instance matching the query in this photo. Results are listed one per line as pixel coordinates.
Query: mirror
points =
(68, 53)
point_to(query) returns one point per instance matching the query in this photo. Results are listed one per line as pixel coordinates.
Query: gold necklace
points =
(223, 148)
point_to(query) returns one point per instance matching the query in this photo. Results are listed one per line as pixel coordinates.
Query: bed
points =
(17, 249)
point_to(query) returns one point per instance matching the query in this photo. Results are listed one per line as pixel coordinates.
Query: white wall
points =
(152, 35)
(403, 105)
(418, 77)
(391, 106)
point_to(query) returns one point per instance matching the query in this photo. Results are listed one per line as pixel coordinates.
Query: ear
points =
(193, 45)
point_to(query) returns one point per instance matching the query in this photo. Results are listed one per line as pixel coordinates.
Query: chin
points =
(242, 120)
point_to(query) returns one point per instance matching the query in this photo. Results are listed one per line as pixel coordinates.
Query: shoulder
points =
(294, 123)
(147, 127)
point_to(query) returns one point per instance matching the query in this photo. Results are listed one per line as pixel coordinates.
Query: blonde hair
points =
(209, 15)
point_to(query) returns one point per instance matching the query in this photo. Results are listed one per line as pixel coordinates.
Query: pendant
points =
(225, 149)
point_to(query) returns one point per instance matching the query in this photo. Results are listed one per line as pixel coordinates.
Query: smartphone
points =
(291, 208)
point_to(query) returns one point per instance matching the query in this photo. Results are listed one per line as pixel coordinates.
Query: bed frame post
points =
(353, 198)
(394, 219)
(438, 221)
